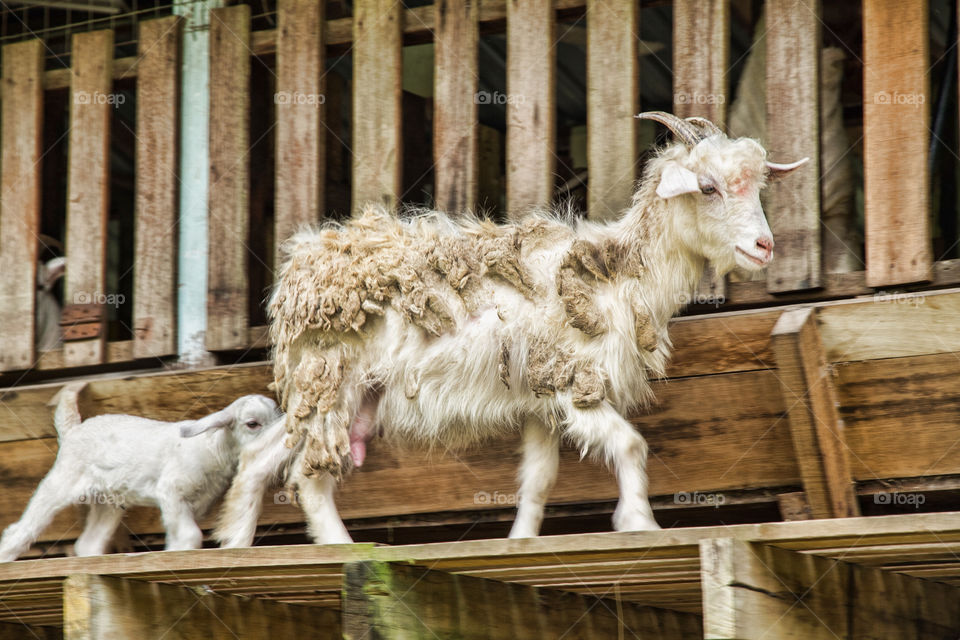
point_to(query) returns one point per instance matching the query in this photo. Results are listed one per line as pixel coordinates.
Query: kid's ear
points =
(677, 180)
(215, 421)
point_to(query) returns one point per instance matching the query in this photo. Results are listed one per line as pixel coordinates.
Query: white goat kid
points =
(111, 462)
(443, 332)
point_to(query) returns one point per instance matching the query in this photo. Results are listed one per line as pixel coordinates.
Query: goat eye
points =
(253, 424)
(708, 189)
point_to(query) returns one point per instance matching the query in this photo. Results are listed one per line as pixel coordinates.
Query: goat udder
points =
(361, 429)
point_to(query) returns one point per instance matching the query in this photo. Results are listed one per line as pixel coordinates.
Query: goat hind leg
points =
(538, 472)
(316, 499)
(102, 521)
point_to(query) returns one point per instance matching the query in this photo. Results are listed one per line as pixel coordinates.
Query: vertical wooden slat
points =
(531, 133)
(377, 100)
(455, 133)
(155, 257)
(227, 320)
(752, 591)
(700, 67)
(815, 425)
(22, 122)
(612, 102)
(88, 183)
(299, 99)
(793, 132)
(896, 140)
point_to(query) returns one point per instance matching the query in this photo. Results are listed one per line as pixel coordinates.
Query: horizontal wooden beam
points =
(753, 590)
(108, 607)
(393, 601)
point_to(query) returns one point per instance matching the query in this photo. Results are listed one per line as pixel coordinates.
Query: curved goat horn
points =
(680, 128)
(708, 127)
(779, 169)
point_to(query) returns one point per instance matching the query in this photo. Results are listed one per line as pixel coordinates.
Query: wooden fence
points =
(898, 238)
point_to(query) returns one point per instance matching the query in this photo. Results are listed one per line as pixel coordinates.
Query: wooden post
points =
(155, 256)
(299, 100)
(613, 99)
(815, 425)
(385, 601)
(753, 591)
(793, 132)
(896, 141)
(88, 190)
(531, 130)
(20, 180)
(377, 100)
(700, 83)
(227, 313)
(455, 125)
(104, 608)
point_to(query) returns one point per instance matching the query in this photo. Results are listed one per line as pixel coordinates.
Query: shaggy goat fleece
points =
(432, 275)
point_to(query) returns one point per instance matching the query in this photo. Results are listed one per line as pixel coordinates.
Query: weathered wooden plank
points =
(859, 332)
(613, 97)
(752, 591)
(793, 132)
(455, 125)
(20, 181)
(88, 183)
(896, 139)
(154, 274)
(13, 631)
(884, 401)
(531, 134)
(299, 99)
(122, 68)
(815, 426)
(386, 600)
(377, 99)
(227, 312)
(700, 67)
(100, 607)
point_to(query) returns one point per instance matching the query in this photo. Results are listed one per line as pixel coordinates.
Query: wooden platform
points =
(715, 576)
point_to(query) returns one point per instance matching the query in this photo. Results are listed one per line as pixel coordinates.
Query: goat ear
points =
(777, 170)
(216, 420)
(676, 180)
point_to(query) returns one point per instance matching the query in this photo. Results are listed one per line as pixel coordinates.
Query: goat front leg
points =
(601, 429)
(54, 493)
(102, 521)
(181, 525)
(538, 472)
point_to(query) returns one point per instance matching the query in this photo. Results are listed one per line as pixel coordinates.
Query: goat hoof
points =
(634, 521)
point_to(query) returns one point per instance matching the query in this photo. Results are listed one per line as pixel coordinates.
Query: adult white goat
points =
(111, 462)
(443, 332)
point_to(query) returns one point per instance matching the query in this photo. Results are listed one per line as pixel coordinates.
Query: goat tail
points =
(67, 414)
(261, 466)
